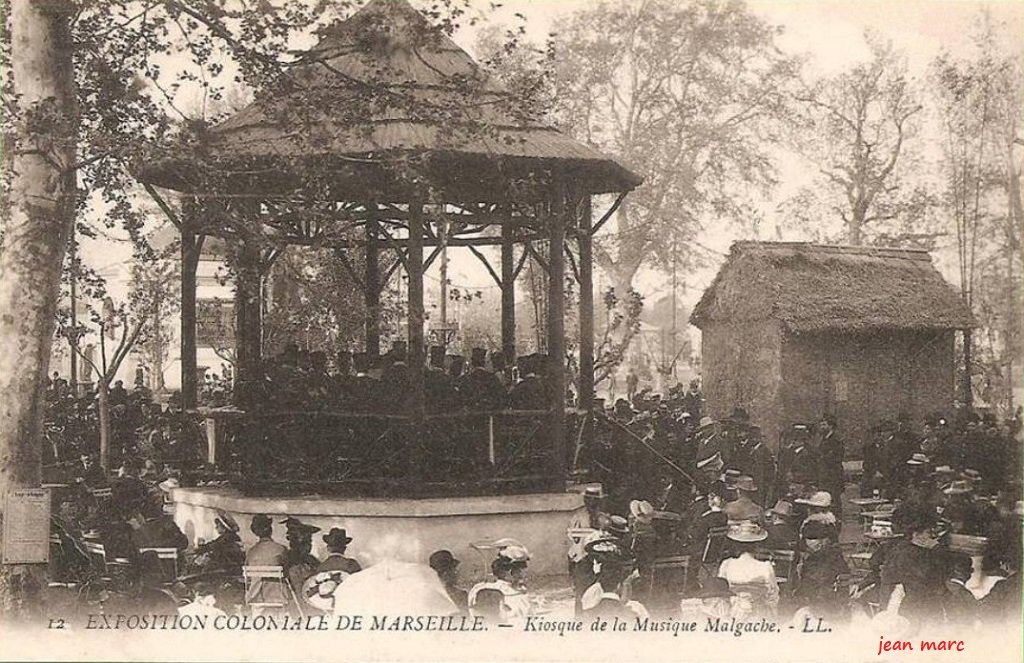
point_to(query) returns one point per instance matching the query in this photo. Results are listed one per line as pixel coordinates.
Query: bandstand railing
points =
(380, 455)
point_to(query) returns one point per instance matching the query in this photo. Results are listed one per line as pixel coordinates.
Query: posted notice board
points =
(27, 526)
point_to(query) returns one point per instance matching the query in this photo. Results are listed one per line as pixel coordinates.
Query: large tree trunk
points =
(103, 402)
(40, 214)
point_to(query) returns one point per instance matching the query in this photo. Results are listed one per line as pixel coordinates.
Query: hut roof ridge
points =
(815, 287)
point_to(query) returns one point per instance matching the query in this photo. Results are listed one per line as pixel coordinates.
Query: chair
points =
(670, 573)
(97, 556)
(254, 576)
(714, 547)
(168, 561)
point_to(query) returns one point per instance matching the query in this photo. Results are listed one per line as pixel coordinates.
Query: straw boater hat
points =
(714, 461)
(918, 459)
(705, 422)
(782, 508)
(168, 484)
(747, 532)
(617, 525)
(642, 510)
(958, 488)
(226, 521)
(602, 546)
(593, 492)
(820, 499)
(746, 483)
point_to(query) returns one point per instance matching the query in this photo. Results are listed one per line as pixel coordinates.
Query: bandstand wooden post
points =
(556, 220)
(371, 282)
(586, 267)
(189, 264)
(414, 262)
(248, 322)
(508, 288)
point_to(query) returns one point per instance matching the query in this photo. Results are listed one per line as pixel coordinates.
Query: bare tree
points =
(855, 128)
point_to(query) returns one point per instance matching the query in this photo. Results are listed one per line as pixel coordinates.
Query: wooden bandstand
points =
(387, 143)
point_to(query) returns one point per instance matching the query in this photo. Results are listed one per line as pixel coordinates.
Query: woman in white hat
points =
(509, 569)
(747, 576)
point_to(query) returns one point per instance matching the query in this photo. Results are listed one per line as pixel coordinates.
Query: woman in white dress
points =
(751, 580)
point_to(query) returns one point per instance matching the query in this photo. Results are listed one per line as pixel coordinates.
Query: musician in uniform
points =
(480, 389)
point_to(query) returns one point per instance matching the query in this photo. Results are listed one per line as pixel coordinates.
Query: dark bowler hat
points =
(294, 525)
(337, 537)
(442, 560)
(618, 525)
(260, 521)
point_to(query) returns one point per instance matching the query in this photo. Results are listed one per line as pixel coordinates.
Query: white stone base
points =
(403, 529)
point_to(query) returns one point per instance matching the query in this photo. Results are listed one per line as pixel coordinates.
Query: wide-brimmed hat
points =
(943, 469)
(713, 588)
(714, 461)
(960, 487)
(745, 483)
(617, 525)
(821, 498)
(668, 516)
(747, 532)
(515, 554)
(782, 508)
(972, 474)
(593, 492)
(337, 537)
(641, 510)
(294, 525)
(168, 484)
(226, 520)
(918, 459)
(705, 422)
(603, 546)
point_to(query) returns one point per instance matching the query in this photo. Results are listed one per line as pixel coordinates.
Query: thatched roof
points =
(812, 287)
(384, 85)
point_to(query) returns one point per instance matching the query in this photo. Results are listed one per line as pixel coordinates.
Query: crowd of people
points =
(156, 435)
(297, 379)
(684, 515)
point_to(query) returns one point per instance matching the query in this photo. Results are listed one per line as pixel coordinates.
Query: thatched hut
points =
(795, 330)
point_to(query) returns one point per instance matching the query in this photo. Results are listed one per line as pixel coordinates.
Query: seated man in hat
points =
(266, 551)
(743, 507)
(224, 553)
(608, 599)
(714, 600)
(700, 546)
(479, 389)
(819, 510)
(959, 605)
(509, 569)
(299, 561)
(395, 381)
(337, 541)
(817, 585)
(584, 527)
(365, 390)
(782, 533)
(914, 573)
(446, 567)
(159, 529)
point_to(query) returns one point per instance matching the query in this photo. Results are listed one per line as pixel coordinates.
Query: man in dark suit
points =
(480, 389)
(830, 462)
(440, 393)
(366, 390)
(395, 380)
(530, 393)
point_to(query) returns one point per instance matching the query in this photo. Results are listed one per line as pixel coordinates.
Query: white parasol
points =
(393, 588)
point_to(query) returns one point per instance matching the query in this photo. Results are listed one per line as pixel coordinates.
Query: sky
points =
(828, 32)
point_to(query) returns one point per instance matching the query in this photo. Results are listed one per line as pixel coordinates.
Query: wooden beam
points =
(490, 270)
(248, 323)
(537, 256)
(608, 214)
(572, 262)
(519, 265)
